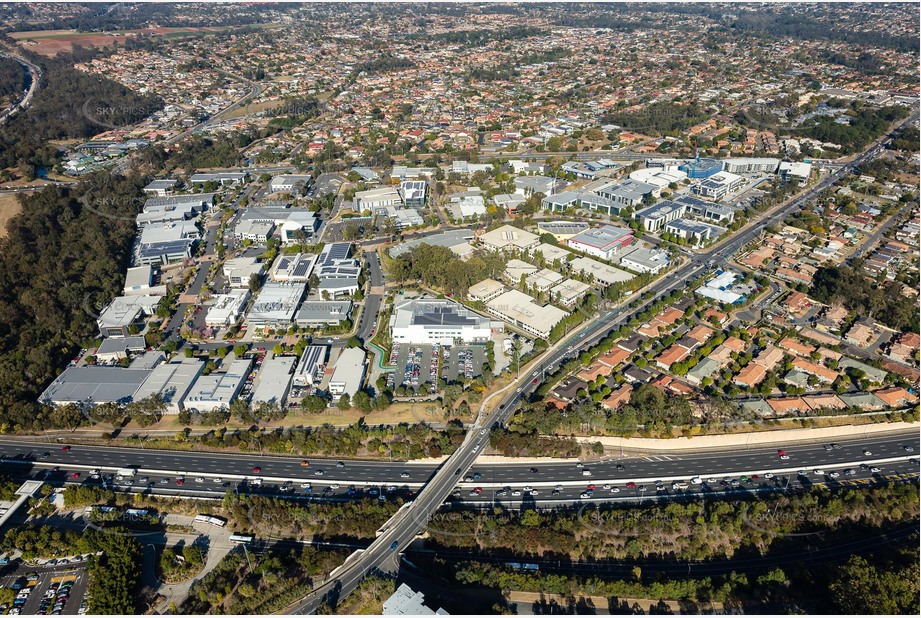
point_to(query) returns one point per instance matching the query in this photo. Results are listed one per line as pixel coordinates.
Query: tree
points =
(313, 404)
(861, 588)
(145, 412)
(363, 402)
(345, 402)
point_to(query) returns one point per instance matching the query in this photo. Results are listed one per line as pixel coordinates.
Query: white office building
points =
(238, 271)
(276, 304)
(293, 268)
(429, 321)
(310, 368)
(349, 372)
(227, 309)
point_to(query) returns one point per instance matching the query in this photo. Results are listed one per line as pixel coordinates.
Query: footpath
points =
(759, 438)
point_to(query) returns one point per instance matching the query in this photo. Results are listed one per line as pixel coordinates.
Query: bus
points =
(210, 519)
(241, 538)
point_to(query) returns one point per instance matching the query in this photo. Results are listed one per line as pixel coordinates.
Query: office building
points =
(429, 321)
(216, 391)
(602, 242)
(348, 373)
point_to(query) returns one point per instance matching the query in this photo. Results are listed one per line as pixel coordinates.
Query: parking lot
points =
(463, 362)
(47, 590)
(416, 366)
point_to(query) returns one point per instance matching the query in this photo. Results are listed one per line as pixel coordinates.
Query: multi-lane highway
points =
(405, 524)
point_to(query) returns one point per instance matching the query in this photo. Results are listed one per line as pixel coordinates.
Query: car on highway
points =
(620, 467)
(533, 470)
(164, 481)
(768, 475)
(558, 488)
(46, 455)
(818, 471)
(631, 485)
(256, 469)
(65, 448)
(393, 545)
(875, 470)
(641, 488)
(218, 481)
(833, 474)
(867, 452)
(404, 474)
(304, 463)
(180, 481)
(850, 472)
(75, 475)
(334, 486)
(783, 454)
(318, 472)
(340, 464)
(199, 479)
(585, 495)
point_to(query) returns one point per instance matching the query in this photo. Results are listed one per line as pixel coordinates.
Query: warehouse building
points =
(171, 382)
(276, 305)
(286, 183)
(273, 383)
(227, 309)
(222, 178)
(293, 268)
(310, 368)
(707, 210)
(125, 313)
(319, 313)
(90, 386)
(349, 372)
(238, 271)
(698, 230)
(430, 321)
(373, 199)
(216, 391)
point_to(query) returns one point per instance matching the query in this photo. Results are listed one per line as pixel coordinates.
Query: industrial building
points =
(660, 177)
(293, 268)
(407, 602)
(216, 390)
(276, 304)
(602, 242)
(222, 178)
(227, 309)
(520, 310)
(238, 271)
(402, 218)
(430, 321)
(117, 348)
(125, 313)
(562, 230)
(458, 241)
(164, 243)
(171, 382)
(89, 386)
(627, 194)
(467, 204)
(309, 370)
(286, 183)
(349, 372)
(377, 198)
(139, 280)
(319, 313)
(273, 383)
(160, 187)
(791, 170)
(529, 185)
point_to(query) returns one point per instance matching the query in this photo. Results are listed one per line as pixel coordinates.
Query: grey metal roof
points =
(94, 385)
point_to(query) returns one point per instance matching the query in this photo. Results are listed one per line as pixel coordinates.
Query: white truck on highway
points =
(126, 473)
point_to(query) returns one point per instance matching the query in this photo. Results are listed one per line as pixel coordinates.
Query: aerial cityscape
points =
(460, 308)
